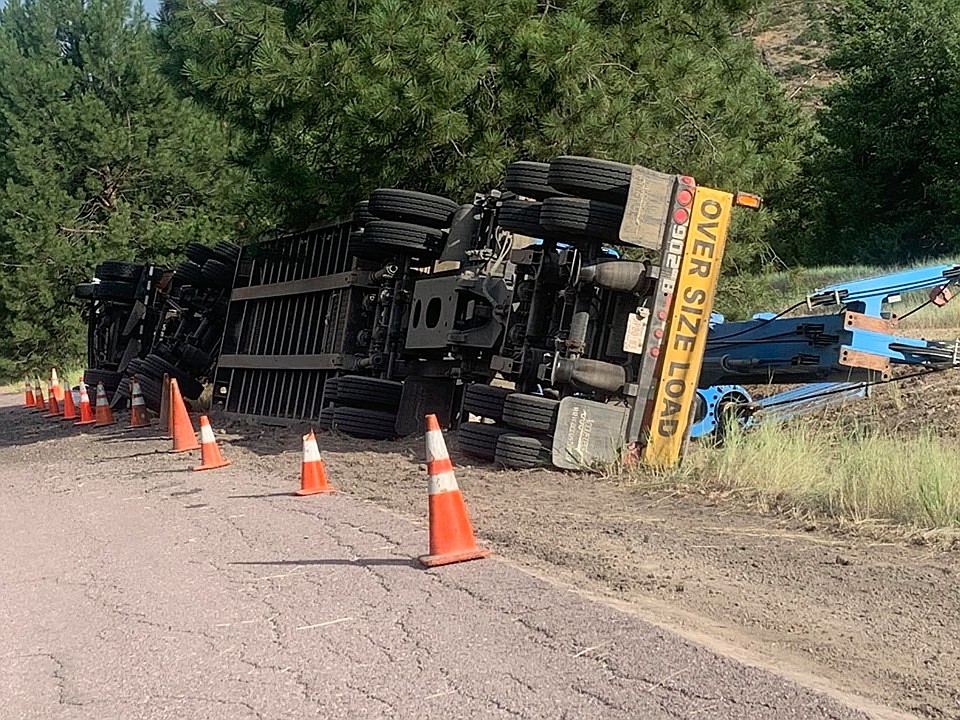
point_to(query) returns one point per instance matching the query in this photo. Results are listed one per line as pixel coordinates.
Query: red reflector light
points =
(685, 197)
(681, 216)
(687, 180)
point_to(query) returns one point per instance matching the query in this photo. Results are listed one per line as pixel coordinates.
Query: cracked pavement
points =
(131, 587)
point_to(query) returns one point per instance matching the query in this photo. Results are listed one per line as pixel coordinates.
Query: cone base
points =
(315, 491)
(85, 422)
(220, 464)
(53, 416)
(450, 558)
(185, 449)
(104, 424)
(138, 425)
(65, 418)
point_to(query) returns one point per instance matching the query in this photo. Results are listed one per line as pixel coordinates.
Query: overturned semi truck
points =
(559, 319)
(562, 319)
(146, 320)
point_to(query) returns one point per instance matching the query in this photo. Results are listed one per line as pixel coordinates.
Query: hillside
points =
(792, 37)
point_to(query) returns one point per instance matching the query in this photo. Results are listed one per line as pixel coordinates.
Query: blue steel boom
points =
(834, 356)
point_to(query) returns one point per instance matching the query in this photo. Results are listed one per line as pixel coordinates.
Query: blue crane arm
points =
(868, 295)
(833, 357)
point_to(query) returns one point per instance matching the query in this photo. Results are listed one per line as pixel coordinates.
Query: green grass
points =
(829, 473)
(849, 475)
(68, 373)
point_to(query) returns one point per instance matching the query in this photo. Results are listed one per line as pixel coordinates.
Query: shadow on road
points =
(361, 562)
(263, 495)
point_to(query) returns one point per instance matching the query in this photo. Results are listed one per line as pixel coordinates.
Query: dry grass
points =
(829, 473)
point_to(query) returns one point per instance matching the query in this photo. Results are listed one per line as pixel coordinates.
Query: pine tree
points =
(882, 186)
(99, 159)
(336, 97)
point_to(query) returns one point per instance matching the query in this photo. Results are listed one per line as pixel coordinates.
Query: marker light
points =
(748, 200)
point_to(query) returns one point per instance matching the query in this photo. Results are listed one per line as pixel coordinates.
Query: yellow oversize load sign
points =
(686, 336)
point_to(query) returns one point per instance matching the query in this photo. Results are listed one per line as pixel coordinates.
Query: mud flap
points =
(422, 396)
(589, 434)
(136, 315)
(130, 352)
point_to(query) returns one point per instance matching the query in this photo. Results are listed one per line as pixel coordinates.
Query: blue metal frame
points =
(807, 348)
(776, 407)
(834, 356)
(869, 294)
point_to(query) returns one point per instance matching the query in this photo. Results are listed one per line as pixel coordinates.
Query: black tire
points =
(155, 366)
(363, 423)
(362, 214)
(153, 401)
(325, 418)
(416, 241)
(530, 179)
(195, 360)
(115, 290)
(109, 378)
(590, 178)
(530, 412)
(585, 218)
(485, 401)
(84, 291)
(151, 388)
(123, 389)
(330, 390)
(364, 392)
(115, 270)
(198, 252)
(218, 274)
(522, 451)
(479, 439)
(190, 273)
(521, 216)
(164, 351)
(358, 248)
(226, 252)
(410, 206)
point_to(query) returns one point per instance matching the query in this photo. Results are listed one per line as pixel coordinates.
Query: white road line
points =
(324, 624)
(439, 694)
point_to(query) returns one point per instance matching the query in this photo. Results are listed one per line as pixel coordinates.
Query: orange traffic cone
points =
(53, 406)
(38, 394)
(69, 409)
(86, 412)
(103, 414)
(55, 385)
(29, 401)
(138, 408)
(313, 473)
(210, 457)
(165, 407)
(451, 535)
(184, 436)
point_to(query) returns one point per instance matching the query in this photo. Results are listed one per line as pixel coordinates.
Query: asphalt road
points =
(133, 588)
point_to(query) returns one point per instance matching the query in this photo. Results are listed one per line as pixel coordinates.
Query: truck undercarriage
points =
(564, 318)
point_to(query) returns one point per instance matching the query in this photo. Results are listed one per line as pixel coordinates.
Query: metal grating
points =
(288, 325)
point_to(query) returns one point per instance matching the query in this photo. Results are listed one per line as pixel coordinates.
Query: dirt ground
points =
(919, 405)
(876, 618)
(839, 611)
